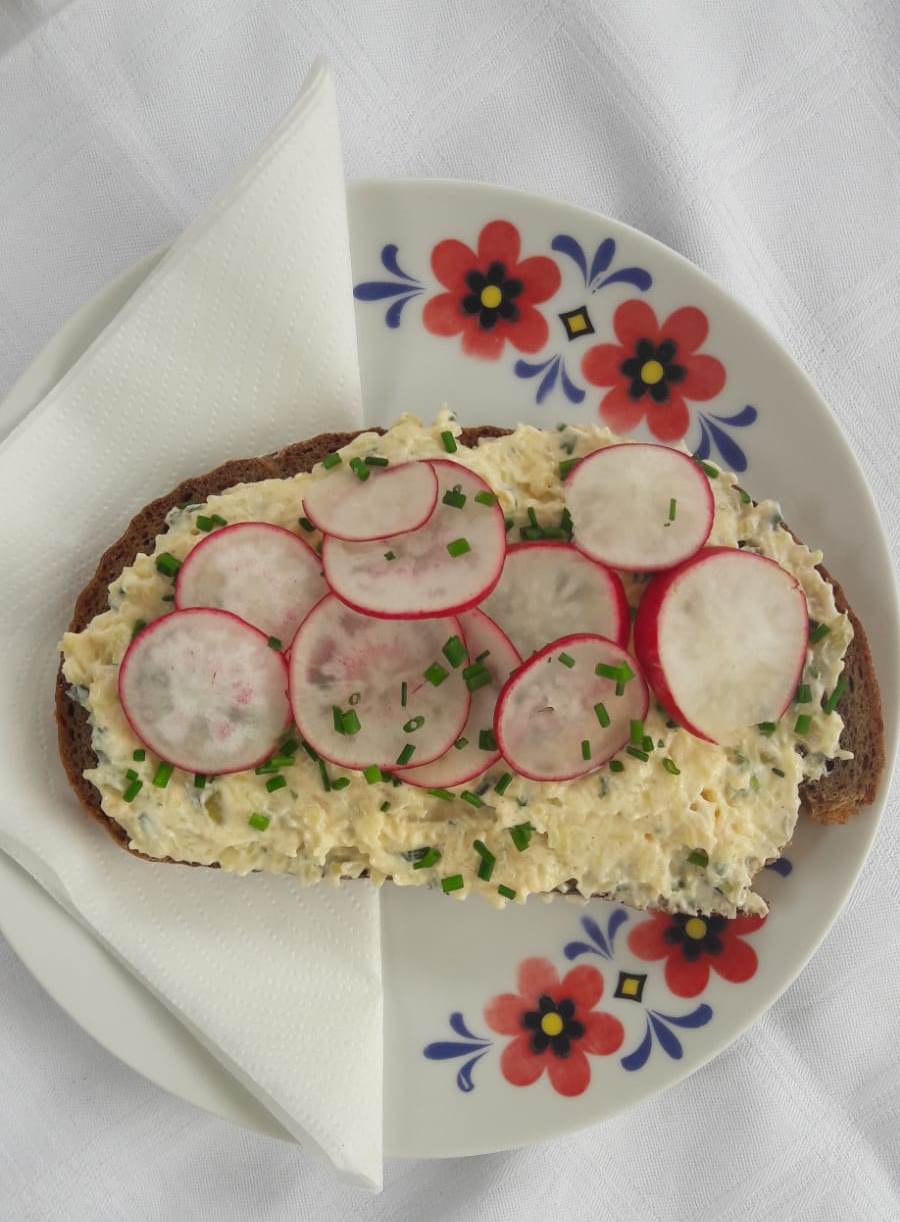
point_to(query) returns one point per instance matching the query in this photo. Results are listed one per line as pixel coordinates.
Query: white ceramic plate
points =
(451, 1086)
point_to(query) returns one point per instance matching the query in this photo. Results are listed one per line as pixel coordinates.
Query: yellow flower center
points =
(491, 298)
(651, 371)
(695, 928)
(551, 1024)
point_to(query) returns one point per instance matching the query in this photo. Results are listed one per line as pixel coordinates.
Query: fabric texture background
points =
(761, 140)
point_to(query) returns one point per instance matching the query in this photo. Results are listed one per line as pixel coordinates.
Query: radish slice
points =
(639, 507)
(485, 640)
(345, 664)
(389, 502)
(548, 590)
(205, 691)
(722, 640)
(556, 702)
(263, 573)
(445, 566)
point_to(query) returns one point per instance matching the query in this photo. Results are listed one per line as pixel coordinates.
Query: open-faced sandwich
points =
(489, 662)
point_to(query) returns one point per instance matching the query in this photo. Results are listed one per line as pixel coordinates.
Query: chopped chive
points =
(139, 755)
(485, 653)
(132, 791)
(531, 533)
(832, 702)
(306, 524)
(486, 498)
(506, 892)
(673, 506)
(384, 806)
(139, 626)
(354, 699)
(532, 516)
(404, 690)
(414, 723)
(454, 651)
(565, 522)
(390, 555)
(504, 783)
(372, 774)
(486, 740)
(566, 659)
(671, 766)
(802, 724)
(616, 766)
(585, 749)
(460, 743)
(267, 768)
(626, 674)
(310, 751)
(218, 520)
(277, 782)
(647, 743)
(472, 798)
(480, 679)
(745, 497)
(521, 835)
(199, 781)
(323, 773)
(167, 564)
(602, 715)
(260, 822)
(281, 761)
(508, 523)
(330, 460)
(804, 694)
(373, 460)
(428, 859)
(488, 860)
(699, 857)
(818, 632)
(406, 754)
(435, 674)
(455, 881)
(131, 774)
(710, 470)
(337, 718)
(454, 498)
(162, 775)
(767, 727)
(274, 643)
(350, 722)
(566, 466)
(605, 671)
(449, 442)
(458, 547)
(778, 772)
(168, 598)
(638, 753)
(340, 783)
(203, 523)
(359, 469)
(444, 794)
(635, 732)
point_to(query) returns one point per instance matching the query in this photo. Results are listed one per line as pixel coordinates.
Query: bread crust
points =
(832, 799)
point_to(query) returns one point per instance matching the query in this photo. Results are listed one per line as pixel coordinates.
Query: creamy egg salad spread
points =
(689, 837)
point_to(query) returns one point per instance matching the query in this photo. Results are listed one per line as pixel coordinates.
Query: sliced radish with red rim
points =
(205, 691)
(448, 565)
(263, 573)
(722, 640)
(549, 589)
(487, 642)
(639, 507)
(359, 690)
(389, 501)
(557, 718)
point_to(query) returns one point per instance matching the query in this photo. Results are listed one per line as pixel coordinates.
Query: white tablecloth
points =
(760, 139)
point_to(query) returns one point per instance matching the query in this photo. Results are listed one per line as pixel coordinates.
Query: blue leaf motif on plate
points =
(712, 431)
(551, 369)
(659, 1025)
(637, 277)
(602, 943)
(782, 866)
(403, 287)
(472, 1046)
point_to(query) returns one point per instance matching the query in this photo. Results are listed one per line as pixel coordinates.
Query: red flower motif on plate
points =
(491, 294)
(691, 945)
(654, 369)
(554, 1025)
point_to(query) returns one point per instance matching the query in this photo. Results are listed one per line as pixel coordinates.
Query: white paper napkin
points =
(239, 342)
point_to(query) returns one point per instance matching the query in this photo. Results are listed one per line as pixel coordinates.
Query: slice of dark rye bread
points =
(833, 799)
